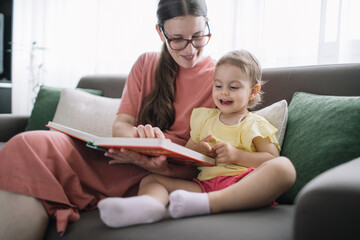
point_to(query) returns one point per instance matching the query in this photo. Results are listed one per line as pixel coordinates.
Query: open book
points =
(148, 146)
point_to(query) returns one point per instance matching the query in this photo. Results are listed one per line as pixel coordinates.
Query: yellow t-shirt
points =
(205, 121)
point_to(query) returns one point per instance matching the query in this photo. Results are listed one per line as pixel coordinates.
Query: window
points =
(82, 37)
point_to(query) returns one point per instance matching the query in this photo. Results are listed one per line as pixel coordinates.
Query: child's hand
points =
(205, 148)
(202, 146)
(225, 152)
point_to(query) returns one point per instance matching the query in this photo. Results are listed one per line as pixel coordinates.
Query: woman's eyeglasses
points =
(179, 44)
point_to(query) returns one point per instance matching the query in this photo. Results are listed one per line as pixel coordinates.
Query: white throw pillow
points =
(87, 112)
(277, 115)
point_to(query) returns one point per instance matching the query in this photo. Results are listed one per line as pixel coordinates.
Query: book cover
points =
(147, 146)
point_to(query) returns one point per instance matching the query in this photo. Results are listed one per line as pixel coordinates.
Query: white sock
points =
(122, 212)
(185, 204)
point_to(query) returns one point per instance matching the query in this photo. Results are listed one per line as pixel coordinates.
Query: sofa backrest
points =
(281, 83)
(334, 79)
(111, 85)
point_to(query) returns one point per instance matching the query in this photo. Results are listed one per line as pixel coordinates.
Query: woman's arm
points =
(266, 150)
(124, 126)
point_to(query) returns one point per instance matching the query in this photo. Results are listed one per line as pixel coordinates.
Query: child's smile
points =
(232, 92)
(225, 102)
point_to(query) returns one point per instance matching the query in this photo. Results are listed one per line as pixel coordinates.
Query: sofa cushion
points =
(45, 107)
(87, 112)
(270, 223)
(277, 115)
(322, 132)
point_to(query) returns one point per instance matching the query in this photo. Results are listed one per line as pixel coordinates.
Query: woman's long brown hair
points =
(157, 107)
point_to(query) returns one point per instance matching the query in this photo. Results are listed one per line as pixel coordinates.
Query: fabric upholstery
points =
(87, 112)
(322, 132)
(267, 223)
(327, 196)
(271, 223)
(45, 107)
(277, 115)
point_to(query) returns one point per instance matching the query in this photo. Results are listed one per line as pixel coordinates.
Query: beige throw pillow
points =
(87, 112)
(277, 115)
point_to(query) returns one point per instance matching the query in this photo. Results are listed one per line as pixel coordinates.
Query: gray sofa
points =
(328, 207)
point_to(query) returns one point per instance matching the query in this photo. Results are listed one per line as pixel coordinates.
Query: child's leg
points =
(159, 187)
(258, 189)
(148, 207)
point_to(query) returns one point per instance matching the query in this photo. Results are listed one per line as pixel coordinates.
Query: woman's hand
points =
(152, 164)
(147, 131)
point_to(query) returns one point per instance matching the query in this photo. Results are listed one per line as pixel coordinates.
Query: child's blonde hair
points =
(248, 63)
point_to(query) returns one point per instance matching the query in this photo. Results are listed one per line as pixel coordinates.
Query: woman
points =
(45, 173)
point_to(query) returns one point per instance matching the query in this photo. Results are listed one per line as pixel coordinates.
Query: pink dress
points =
(69, 177)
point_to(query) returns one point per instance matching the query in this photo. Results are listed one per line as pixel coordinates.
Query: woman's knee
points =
(32, 137)
(21, 214)
(19, 138)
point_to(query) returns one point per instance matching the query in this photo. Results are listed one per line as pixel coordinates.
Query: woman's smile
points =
(188, 57)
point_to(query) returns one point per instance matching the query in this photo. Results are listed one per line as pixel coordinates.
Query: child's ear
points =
(254, 91)
(161, 35)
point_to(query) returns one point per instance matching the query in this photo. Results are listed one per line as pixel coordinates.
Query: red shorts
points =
(221, 182)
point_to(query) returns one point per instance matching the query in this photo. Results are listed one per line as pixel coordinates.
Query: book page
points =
(83, 136)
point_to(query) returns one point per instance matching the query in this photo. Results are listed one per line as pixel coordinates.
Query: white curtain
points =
(287, 32)
(74, 38)
(58, 41)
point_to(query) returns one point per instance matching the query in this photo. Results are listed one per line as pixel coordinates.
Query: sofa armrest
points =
(328, 207)
(11, 124)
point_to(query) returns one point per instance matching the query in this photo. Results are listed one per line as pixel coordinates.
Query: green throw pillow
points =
(45, 107)
(322, 132)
